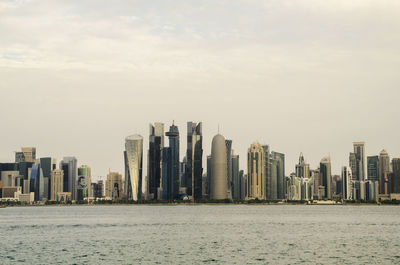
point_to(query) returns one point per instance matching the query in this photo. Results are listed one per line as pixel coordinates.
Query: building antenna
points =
(218, 128)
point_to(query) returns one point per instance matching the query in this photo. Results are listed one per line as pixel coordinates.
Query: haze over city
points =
(301, 76)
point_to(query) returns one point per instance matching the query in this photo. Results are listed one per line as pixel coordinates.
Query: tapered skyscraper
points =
(219, 168)
(133, 164)
(194, 160)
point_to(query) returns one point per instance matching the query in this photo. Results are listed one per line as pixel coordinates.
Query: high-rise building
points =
(219, 174)
(47, 164)
(346, 183)
(29, 154)
(114, 186)
(194, 160)
(373, 168)
(228, 144)
(302, 168)
(236, 181)
(37, 182)
(278, 175)
(156, 144)
(326, 177)
(269, 183)
(256, 179)
(208, 176)
(70, 167)
(383, 170)
(395, 176)
(359, 151)
(84, 181)
(56, 183)
(243, 185)
(183, 173)
(133, 162)
(170, 165)
(317, 180)
(353, 165)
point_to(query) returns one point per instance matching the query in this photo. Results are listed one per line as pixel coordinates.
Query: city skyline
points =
(336, 167)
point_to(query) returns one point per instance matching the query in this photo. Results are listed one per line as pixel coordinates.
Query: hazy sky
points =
(311, 76)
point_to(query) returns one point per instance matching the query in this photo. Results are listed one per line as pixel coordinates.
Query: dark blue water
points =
(225, 234)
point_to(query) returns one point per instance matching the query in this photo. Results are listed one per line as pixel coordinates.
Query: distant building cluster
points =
(29, 179)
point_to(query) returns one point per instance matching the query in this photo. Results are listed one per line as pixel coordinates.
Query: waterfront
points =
(225, 234)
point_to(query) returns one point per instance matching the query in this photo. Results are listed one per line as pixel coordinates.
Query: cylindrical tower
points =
(219, 176)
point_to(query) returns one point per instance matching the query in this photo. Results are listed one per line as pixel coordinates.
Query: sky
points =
(311, 76)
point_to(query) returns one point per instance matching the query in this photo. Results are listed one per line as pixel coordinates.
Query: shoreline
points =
(2, 206)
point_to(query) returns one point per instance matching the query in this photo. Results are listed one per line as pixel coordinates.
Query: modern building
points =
(70, 167)
(29, 154)
(359, 151)
(256, 179)
(133, 164)
(346, 183)
(57, 181)
(83, 183)
(326, 177)
(194, 157)
(236, 181)
(353, 165)
(37, 183)
(156, 145)
(207, 192)
(395, 176)
(219, 168)
(114, 186)
(373, 168)
(383, 169)
(228, 144)
(278, 175)
(170, 165)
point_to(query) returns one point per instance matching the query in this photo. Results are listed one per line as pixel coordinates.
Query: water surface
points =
(204, 234)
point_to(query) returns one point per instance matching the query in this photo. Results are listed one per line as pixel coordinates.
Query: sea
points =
(200, 234)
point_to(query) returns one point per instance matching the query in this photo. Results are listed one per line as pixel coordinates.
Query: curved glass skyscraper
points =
(133, 164)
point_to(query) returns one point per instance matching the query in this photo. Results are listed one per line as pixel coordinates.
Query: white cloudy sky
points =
(308, 76)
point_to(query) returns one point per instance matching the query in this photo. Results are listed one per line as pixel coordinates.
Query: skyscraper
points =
(29, 154)
(346, 183)
(383, 169)
(133, 162)
(269, 182)
(47, 164)
(302, 168)
(57, 179)
(114, 186)
(84, 182)
(353, 165)
(359, 151)
(170, 158)
(69, 166)
(256, 181)
(278, 174)
(194, 160)
(326, 177)
(236, 181)
(156, 144)
(219, 174)
(395, 176)
(373, 168)
(228, 144)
